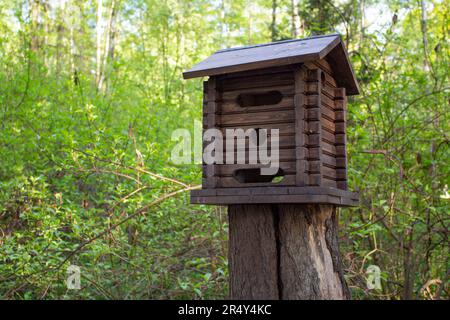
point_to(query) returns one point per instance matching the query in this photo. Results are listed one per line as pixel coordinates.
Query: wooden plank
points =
(329, 161)
(339, 94)
(234, 94)
(315, 114)
(203, 192)
(328, 182)
(285, 155)
(336, 58)
(209, 176)
(341, 162)
(327, 112)
(327, 101)
(300, 136)
(341, 174)
(205, 97)
(234, 191)
(275, 194)
(323, 190)
(339, 127)
(341, 151)
(284, 142)
(313, 127)
(340, 116)
(315, 179)
(328, 148)
(311, 88)
(339, 104)
(342, 184)
(258, 72)
(278, 190)
(205, 107)
(287, 128)
(329, 173)
(245, 81)
(229, 169)
(313, 140)
(324, 65)
(257, 118)
(314, 153)
(328, 136)
(328, 91)
(231, 106)
(313, 166)
(253, 190)
(294, 190)
(339, 139)
(261, 199)
(229, 182)
(329, 79)
(327, 128)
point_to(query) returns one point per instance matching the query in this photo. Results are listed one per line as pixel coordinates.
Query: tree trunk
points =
(35, 6)
(110, 42)
(295, 19)
(99, 42)
(285, 252)
(423, 26)
(273, 25)
(46, 19)
(60, 36)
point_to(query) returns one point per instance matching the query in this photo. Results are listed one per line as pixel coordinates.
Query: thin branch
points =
(137, 213)
(155, 175)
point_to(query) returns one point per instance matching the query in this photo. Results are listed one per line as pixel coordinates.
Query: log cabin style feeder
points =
(297, 86)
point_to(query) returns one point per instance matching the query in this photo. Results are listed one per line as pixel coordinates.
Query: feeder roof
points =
(281, 53)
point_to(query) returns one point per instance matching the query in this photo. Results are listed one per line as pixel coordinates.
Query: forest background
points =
(91, 91)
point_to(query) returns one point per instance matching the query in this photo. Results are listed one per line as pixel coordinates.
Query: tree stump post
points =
(285, 252)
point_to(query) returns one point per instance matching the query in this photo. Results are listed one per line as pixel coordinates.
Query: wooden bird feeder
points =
(297, 86)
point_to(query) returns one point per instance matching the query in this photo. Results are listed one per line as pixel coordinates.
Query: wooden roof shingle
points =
(279, 54)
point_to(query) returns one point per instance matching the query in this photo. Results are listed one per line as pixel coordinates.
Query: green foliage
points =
(78, 159)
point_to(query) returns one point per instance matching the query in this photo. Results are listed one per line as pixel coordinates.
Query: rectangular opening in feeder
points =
(259, 99)
(254, 176)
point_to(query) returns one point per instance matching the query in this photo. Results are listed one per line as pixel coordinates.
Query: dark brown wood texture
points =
(285, 252)
(309, 113)
(252, 253)
(275, 194)
(325, 121)
(282, 53)
(212, 99)
(283, 234)
(230, 115)
(301, 138)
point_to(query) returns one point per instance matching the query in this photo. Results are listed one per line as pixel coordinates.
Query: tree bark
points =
(60, 36)
(110, 42)
(295, 19)
(423, 27)
(273, 25)
(99, 35)
(35, 8)
(46, 19)
(285, 252)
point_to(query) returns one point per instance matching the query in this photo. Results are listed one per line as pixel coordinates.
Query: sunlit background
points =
(92, 90)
